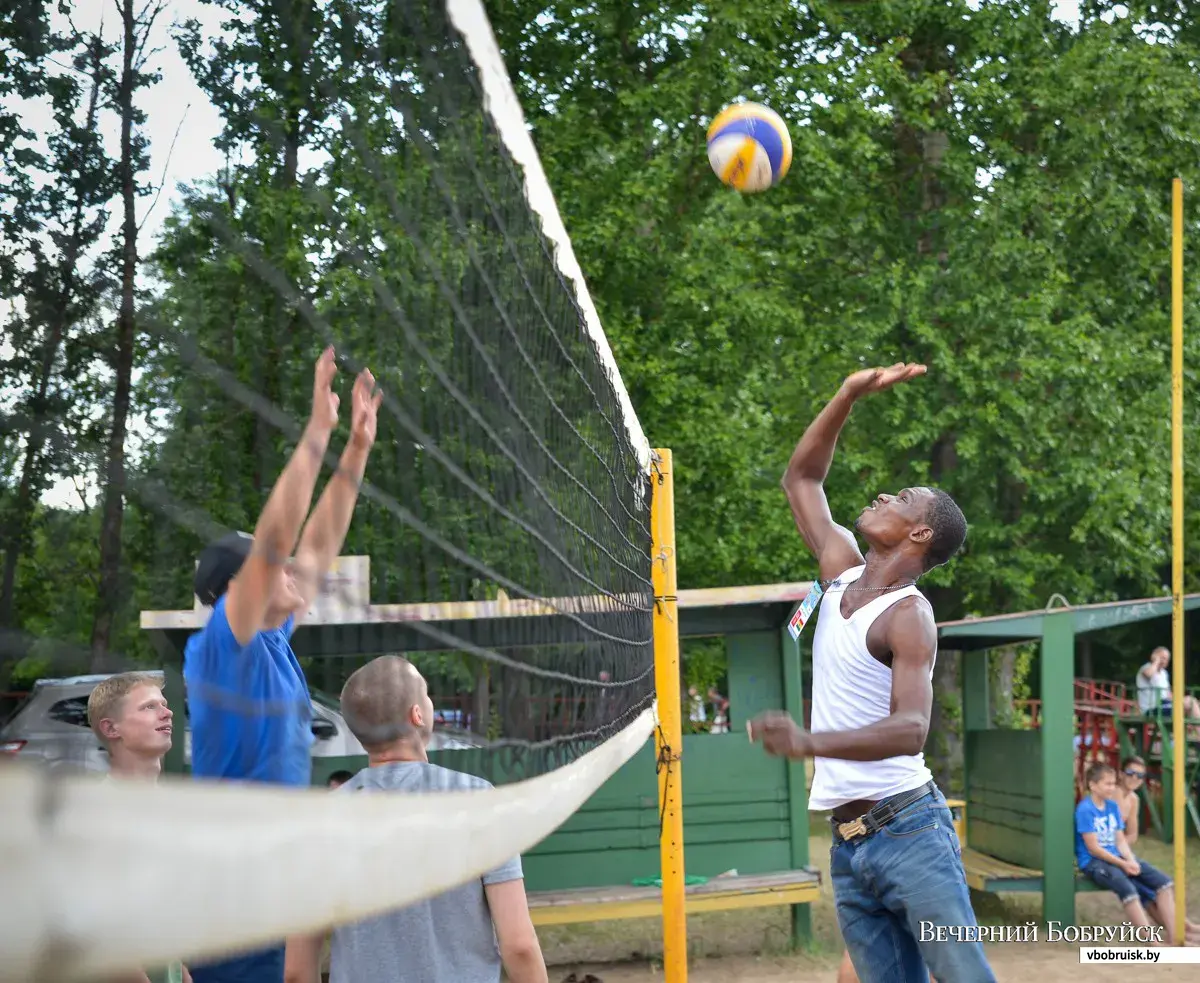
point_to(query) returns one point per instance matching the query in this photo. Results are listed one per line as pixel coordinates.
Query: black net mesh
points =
(505, 513)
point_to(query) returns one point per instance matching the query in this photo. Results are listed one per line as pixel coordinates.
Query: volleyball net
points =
(502, 540)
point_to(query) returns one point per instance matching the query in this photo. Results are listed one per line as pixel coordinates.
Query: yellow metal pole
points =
(1178, 744)
(668, 739)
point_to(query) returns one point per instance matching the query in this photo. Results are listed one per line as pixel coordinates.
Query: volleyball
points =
(749, 147)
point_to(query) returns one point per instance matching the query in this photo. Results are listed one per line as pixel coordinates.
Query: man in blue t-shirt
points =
(248, 699)
(1104, 855)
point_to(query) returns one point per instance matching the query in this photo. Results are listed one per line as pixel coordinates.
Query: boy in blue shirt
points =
(1104, 854)
(249, 702)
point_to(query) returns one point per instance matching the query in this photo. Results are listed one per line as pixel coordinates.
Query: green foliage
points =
(51, 289)
(976, 186)
(1023, 670)
(705, 664)
(985, 191)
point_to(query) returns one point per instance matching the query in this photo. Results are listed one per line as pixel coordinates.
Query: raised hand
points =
(876, 380)
(325, 400)
(364, 410)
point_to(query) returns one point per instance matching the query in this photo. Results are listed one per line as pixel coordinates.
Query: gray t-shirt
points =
(448, 938)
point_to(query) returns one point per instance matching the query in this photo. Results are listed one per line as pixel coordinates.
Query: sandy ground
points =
(753, 946)
(1046, 963)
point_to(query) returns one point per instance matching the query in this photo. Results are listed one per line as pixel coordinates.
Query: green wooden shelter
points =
(1020, 784)
(743, 810)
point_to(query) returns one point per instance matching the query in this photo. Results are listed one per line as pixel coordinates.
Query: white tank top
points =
(852, 689)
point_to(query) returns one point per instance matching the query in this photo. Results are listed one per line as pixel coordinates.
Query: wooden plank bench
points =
(985, 873)
(595, 904)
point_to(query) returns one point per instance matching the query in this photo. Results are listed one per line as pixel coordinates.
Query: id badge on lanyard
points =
(804, 612)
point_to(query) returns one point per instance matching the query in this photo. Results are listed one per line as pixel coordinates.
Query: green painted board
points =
(643, 817)
(646, 838)
(1004, 795)
(755, 679)
(736, 816)
(545, 872)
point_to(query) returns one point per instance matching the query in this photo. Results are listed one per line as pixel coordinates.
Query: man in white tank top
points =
(895, 864)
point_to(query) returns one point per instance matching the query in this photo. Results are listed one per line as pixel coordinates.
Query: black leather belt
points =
(880, 814)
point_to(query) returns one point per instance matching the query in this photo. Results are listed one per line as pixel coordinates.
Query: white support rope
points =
(103, 876)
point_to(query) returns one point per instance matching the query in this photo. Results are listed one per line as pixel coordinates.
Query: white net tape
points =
(102, 876)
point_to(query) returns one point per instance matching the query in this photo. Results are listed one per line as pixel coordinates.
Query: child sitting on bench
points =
(1104, 855)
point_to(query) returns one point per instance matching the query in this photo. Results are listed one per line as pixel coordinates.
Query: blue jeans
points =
(888, 884)
(1145, 887)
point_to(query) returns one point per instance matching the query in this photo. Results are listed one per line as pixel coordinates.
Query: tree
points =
(877, 247)
(978, 187)
(966, 182)
(136, 26)
(51, 229)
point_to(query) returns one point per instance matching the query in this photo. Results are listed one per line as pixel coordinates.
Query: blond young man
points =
(130, 716)
(465, 935)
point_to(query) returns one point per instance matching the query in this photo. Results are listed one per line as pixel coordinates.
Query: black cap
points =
(218, 565)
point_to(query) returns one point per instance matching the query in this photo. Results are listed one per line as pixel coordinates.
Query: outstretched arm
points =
(326, 528)
(803, 481)
(912, 637)
(282, 516)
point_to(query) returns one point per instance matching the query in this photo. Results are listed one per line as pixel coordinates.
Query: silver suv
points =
(51, 728)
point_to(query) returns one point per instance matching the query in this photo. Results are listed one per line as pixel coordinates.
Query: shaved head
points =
(387, 701)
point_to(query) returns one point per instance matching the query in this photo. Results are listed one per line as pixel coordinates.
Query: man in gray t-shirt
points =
(464, 935)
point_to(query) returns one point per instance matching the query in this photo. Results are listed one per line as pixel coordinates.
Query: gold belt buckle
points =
(852, 830)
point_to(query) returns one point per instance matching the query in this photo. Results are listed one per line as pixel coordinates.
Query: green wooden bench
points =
(990, 874)
(1006, 815)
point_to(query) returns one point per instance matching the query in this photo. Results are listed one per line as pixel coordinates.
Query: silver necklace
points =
(827, 585)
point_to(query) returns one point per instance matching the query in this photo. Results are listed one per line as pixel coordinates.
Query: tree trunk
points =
(944, 746)
(58, 315)
(113, 515)
(1087, 668)
(919, 152)
(516, 713)
(481, 700)
(296, 27)
(1001, 672)
(16, 531)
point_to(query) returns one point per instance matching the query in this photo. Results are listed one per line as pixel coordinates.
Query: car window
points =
(72, 711)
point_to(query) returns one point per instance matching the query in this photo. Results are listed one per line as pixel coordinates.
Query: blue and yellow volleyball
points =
(749, 147)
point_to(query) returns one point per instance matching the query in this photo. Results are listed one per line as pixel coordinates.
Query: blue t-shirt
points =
(250, 709)
(1104, 822)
